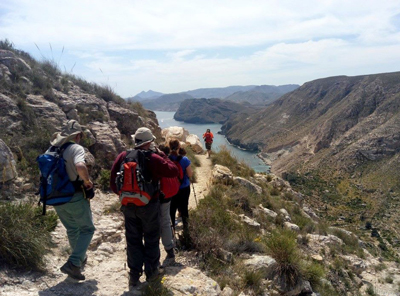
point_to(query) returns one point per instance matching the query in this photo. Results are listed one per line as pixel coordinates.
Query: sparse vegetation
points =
(25, 235)
(225, 158)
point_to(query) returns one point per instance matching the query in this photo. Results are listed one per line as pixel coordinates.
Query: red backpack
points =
(170, 186)
(134, 180)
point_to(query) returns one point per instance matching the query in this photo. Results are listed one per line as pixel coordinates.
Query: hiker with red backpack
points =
(181, 200)
(208, 139)
(135, 177)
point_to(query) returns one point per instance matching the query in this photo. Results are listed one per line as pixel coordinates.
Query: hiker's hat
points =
(68, 132)
(142, 136)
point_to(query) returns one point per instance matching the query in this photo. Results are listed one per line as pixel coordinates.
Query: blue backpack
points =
(55, 186)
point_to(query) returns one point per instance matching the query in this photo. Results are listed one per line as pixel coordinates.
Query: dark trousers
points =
(142, 223)
(180, 202)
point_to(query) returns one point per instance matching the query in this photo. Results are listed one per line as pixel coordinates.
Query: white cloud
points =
(173, 46)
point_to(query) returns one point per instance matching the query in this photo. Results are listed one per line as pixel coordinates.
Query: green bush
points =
(282, 246)
(314, 272)
(25, 235)
(104, 179)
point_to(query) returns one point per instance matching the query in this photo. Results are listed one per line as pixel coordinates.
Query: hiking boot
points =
(133, 281)
(73, 271)
(170, 254)
(156, 274)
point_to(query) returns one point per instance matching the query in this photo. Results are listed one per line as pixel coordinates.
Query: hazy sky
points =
(174, 46)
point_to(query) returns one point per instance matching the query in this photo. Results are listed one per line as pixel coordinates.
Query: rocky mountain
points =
(145, 95)
(261, 95)
(169, 102)
(338, 132)
(258, 95)
(209, 110)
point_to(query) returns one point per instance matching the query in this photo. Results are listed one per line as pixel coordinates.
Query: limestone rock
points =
(174, 132)
(285, 214)
(249, 185)
(221, 174)
(8, 169)
(260, 262)
(291, 226)
(127, 120)
(249, 221)
(269, 212)
(189, 281)
(108, 141)
(194, 142)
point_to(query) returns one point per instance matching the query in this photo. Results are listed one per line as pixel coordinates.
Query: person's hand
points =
(88, 184)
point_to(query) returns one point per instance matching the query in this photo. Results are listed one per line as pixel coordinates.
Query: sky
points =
(175, 46)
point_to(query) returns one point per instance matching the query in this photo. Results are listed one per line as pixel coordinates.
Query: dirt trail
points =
(202, 185)
(106, 270)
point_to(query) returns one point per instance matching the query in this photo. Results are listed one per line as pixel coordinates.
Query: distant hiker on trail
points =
(181, 200)
(75, 215)
(208, 139)
(135, 177)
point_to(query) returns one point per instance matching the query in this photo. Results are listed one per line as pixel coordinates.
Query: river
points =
(166, 119)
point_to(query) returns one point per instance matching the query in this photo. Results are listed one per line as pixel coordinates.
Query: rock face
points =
(181, 134)
(8, 170)
(208, 110)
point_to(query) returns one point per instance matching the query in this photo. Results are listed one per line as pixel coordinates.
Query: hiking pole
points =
(194, 193)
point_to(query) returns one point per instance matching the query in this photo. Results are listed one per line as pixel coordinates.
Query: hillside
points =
(168, 102)
(261, 95)
(209, 110)
(339, 133)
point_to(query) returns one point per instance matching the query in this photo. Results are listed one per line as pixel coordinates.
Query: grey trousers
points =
(165, 227)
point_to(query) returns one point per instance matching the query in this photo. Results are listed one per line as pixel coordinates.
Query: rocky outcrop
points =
(181, 134)
(127, 120)
(8, 170)
(221, 174)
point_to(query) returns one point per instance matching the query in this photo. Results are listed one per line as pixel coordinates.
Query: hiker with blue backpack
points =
(67, 194)
(181, 200)
(135, 177)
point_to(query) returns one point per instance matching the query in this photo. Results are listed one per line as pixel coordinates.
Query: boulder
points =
(249, 185)
(9, 59)
(194, 142)
(221, 174)
(291, 226)
(174, 132)
(8, 170)
(260, 262)
(269, 212)
(189, 281)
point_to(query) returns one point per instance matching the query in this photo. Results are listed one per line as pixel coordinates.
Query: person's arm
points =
(83, 173)
(114, 170)
(189, 171)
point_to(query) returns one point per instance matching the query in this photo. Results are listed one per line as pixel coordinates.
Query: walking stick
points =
(195, 197)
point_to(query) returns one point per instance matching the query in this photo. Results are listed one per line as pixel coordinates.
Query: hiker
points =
(143, 221)
(208, 139)
(167, 237)
(75, 215)
(181, 200)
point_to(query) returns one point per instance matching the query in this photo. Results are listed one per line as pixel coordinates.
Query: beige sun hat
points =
(68, 132)
(142, 136)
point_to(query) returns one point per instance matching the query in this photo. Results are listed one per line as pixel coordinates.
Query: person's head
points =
(71, 131)
(182, 151)
(143, 138)
(174, 145)
(208, 130)
(164, 149)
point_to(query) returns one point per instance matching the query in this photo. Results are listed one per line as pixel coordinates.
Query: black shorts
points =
(208, 146)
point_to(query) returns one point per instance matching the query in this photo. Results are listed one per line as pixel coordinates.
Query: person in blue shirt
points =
(181, 200)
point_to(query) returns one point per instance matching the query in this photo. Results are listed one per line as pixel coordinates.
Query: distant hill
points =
(168, 102)
(217, 92)
(209, 110)
(145, 95)
(262, 95)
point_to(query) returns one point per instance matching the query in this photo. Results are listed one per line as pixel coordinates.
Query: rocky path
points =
(106, 270)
